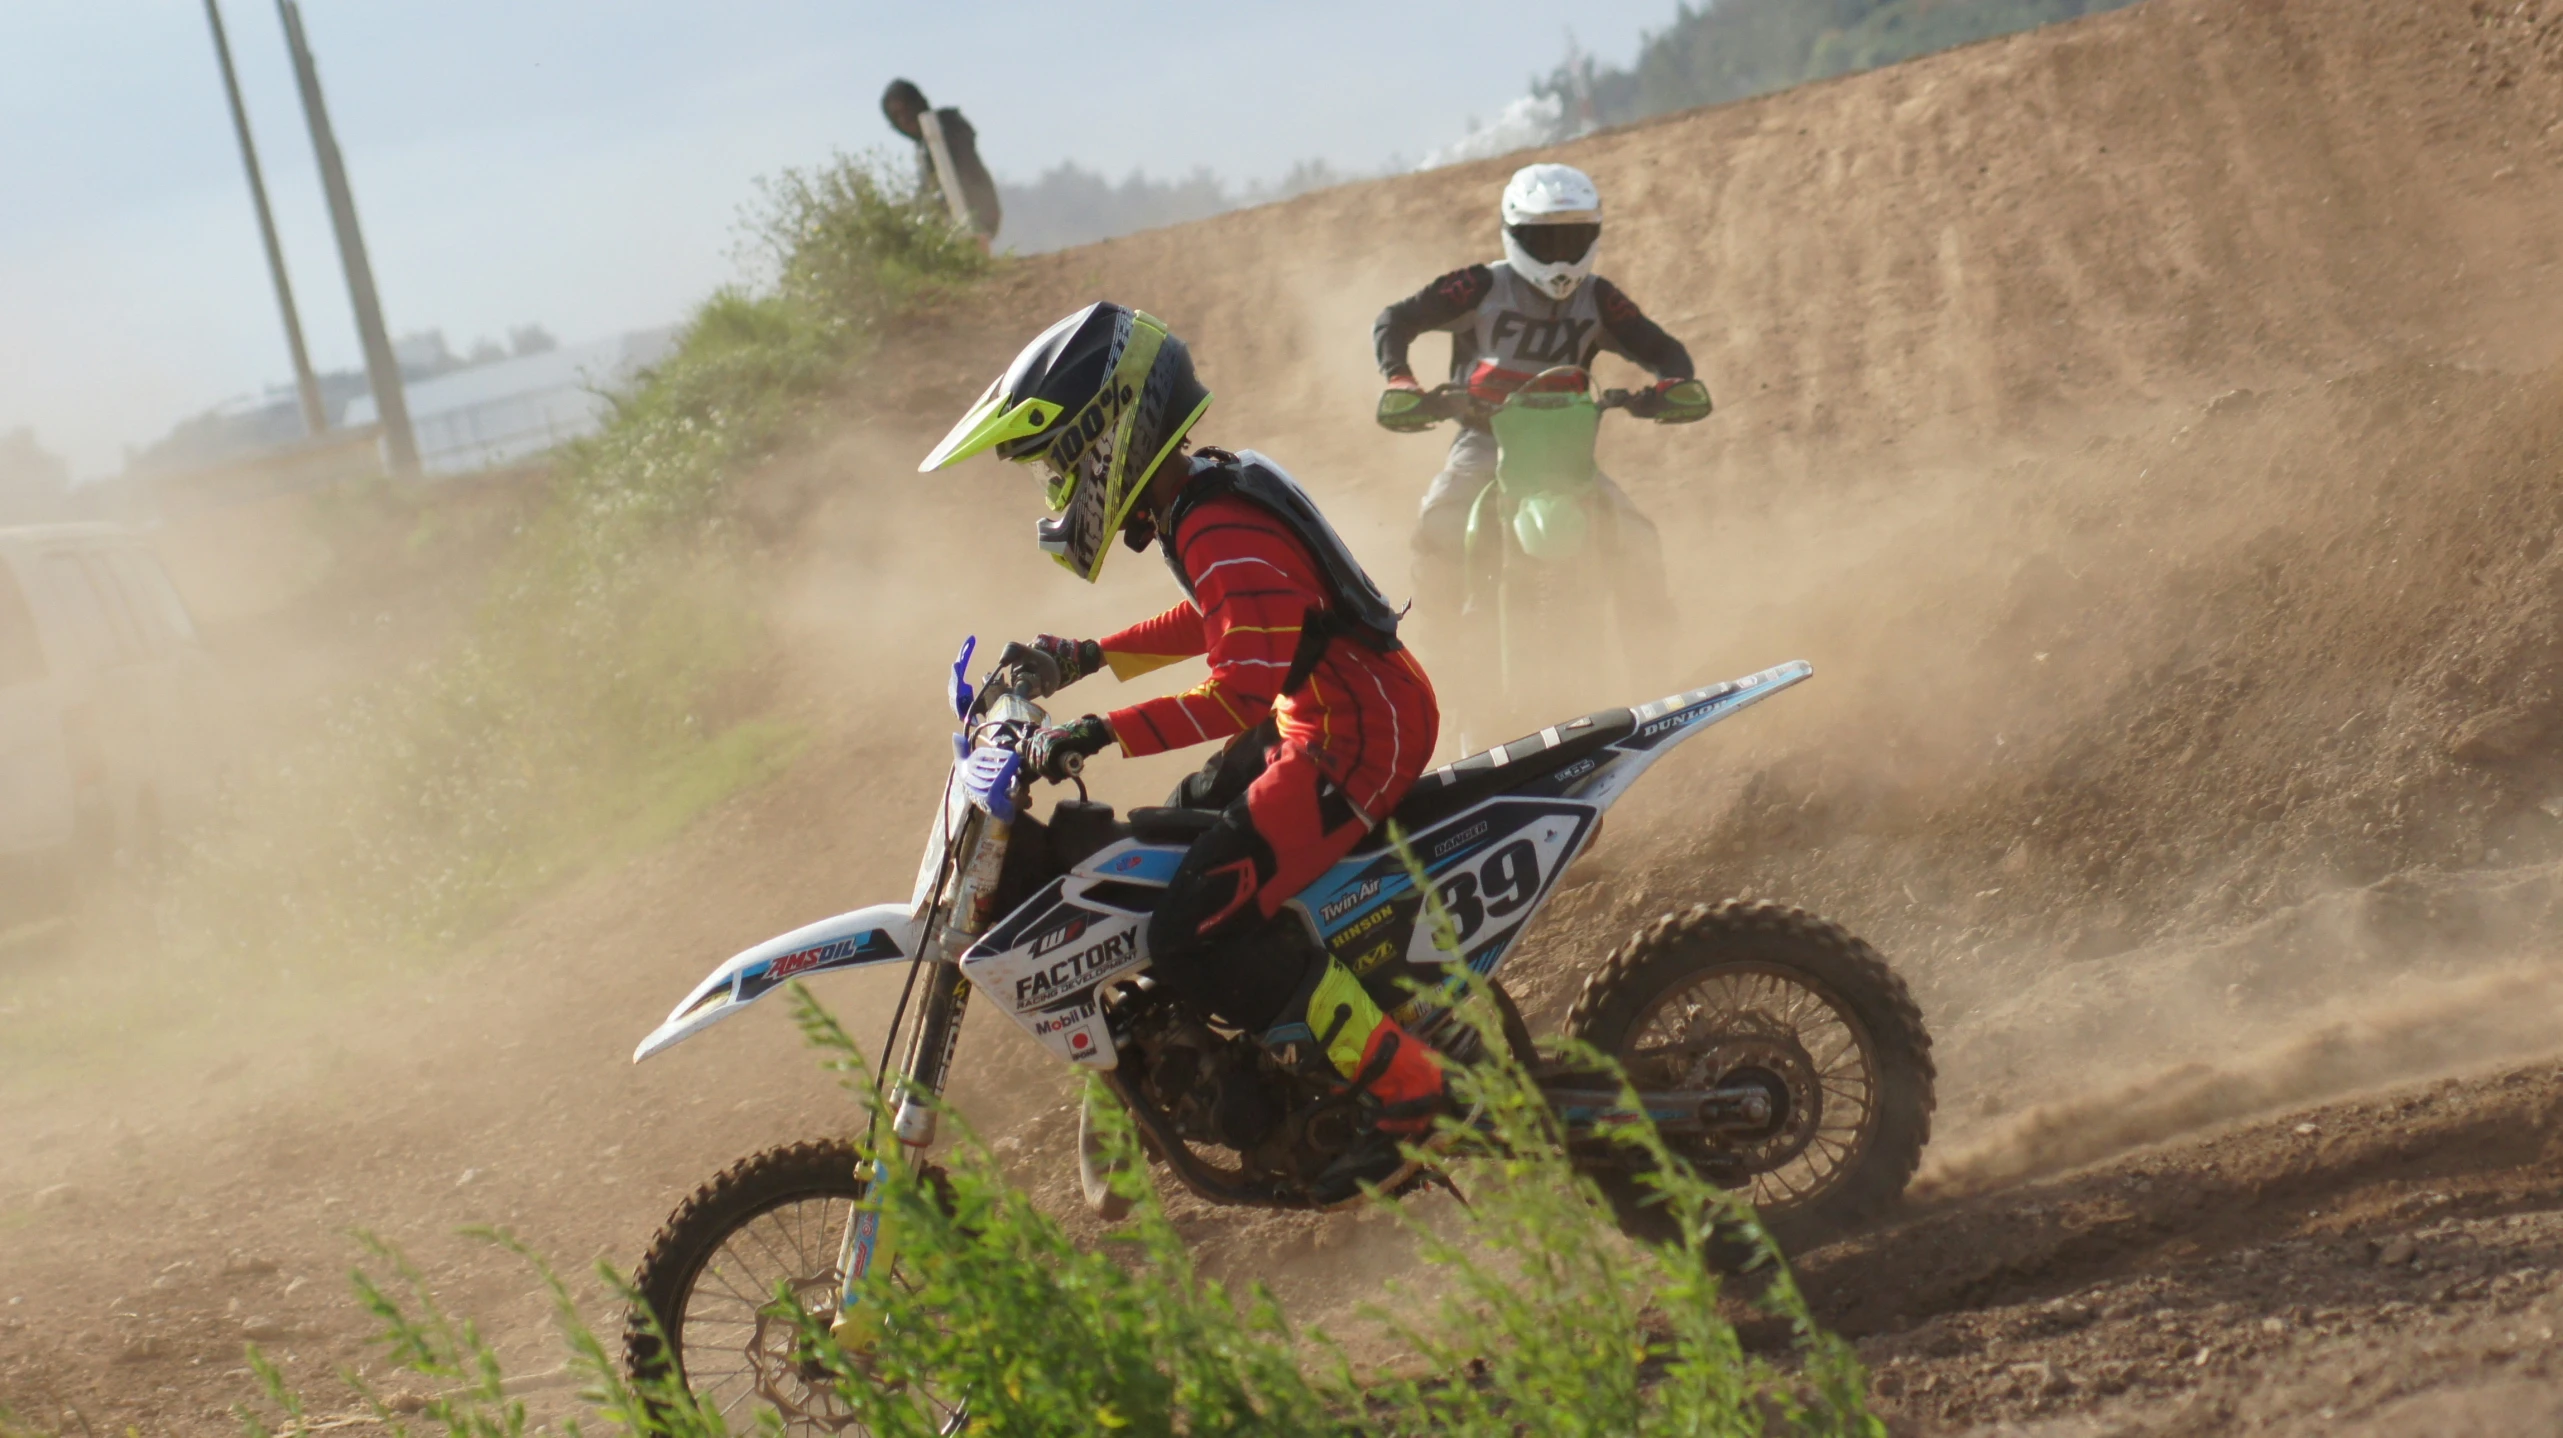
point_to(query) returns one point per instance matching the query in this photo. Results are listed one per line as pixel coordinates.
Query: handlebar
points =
(1022, 673)
(1457, 401)
(1023, 677)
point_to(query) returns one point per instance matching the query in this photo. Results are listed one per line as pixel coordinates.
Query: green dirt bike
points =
(1543, 567)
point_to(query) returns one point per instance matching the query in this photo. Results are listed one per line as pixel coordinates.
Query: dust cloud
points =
(2150, 446)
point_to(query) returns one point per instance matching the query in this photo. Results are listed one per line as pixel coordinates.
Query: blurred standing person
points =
(905, 106)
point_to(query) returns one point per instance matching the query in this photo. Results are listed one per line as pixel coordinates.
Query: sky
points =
(583, 165)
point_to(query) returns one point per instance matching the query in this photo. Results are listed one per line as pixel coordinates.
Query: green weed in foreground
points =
(1553, 1322)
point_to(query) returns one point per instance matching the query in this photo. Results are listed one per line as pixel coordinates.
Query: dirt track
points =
(2148, 427)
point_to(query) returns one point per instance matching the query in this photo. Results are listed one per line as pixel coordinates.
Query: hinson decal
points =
(1361, 928)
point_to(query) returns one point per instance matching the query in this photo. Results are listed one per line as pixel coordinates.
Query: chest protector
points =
(1354, 608)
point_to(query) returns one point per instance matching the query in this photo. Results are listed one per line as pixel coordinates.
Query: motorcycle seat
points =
(1440, 793)
(1171, 826)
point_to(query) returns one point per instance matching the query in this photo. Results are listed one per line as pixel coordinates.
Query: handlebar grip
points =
(1036, 675)
(1070, 764)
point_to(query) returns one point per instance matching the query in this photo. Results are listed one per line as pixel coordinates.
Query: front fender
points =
(881, 934)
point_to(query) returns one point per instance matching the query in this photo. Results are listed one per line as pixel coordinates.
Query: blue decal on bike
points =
(959, 690)
(1143, 864)
(988, 777)
(861, 1243)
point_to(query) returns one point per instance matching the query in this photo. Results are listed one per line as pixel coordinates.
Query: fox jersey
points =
(1504, 330)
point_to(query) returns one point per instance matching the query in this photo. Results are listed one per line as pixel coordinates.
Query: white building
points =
(491, 414)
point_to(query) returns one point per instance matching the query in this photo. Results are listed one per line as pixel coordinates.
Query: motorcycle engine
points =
(1217, 1087)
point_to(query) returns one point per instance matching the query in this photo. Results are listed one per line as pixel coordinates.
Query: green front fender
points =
(1551, 527)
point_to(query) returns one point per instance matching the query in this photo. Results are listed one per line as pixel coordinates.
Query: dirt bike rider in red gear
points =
(1325, 717)
(1540, 306)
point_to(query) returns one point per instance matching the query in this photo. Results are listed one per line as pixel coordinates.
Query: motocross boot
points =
(1332, 1031)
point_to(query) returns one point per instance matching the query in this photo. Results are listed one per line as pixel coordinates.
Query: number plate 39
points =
(1499, 862)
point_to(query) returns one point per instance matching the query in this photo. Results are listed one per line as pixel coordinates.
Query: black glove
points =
(1076, 658)
(1057, 751)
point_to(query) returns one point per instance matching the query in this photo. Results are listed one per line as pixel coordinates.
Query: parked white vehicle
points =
(110, 711)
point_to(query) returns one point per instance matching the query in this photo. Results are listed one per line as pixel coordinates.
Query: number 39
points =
(1509, 879)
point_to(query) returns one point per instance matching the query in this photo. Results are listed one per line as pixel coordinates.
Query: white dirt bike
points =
(1777, 1054)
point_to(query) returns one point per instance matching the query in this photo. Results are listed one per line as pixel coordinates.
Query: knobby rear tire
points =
(1693, 946)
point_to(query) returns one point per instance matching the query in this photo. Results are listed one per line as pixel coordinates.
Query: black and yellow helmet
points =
(1100, 399)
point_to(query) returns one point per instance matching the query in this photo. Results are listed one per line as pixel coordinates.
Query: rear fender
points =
(1676, 717)
(882, 934)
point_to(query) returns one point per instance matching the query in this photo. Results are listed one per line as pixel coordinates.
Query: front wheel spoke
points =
(719, 1273)
(791, 1268)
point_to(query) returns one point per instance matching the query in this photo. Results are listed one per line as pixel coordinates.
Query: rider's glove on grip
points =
(1672, 401)
(1403, 407)
(1052, 744)
(1076, 658)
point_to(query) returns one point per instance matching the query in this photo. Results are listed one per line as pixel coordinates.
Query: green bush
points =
(597, 698)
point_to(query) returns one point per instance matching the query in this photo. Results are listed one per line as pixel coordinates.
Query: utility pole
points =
(382, 372)
(306, 384)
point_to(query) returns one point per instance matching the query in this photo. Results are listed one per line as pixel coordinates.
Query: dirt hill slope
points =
(2165, 734)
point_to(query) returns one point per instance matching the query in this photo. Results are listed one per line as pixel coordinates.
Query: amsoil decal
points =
(1078, 970)
(868, 944)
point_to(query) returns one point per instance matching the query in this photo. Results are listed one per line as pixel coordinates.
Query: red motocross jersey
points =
(1366, 716)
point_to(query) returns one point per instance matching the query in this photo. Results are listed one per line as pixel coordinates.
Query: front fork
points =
(868, 1242)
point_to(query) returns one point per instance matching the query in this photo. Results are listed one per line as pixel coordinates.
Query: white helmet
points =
(1552, 226)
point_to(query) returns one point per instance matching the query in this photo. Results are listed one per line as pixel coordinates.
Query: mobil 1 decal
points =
(1492, 866)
